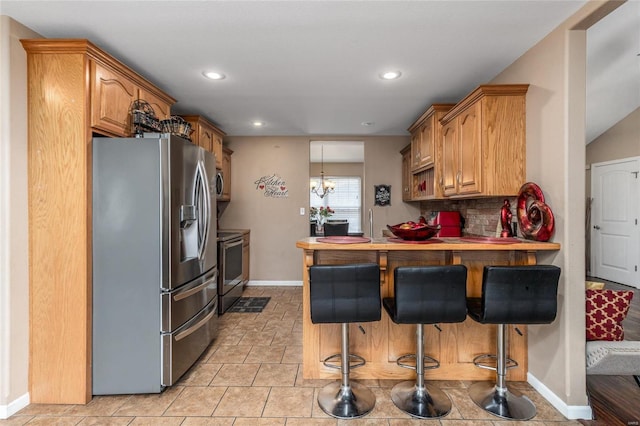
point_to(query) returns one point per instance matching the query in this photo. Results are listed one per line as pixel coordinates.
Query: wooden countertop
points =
(446, 244)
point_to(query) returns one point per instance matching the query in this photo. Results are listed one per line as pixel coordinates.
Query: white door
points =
(615, 235)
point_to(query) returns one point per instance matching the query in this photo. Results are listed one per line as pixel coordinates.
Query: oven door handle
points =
(195, 327)
(229, 244)
(186, 293)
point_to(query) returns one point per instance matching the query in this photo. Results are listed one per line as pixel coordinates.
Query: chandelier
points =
(326, 186)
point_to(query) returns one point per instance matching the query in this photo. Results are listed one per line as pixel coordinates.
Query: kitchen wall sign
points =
(382, 195)
(272, 186)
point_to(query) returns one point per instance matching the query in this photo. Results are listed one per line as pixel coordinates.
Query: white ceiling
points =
(307, 67)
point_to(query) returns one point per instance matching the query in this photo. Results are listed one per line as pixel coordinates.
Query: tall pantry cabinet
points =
(74, 90)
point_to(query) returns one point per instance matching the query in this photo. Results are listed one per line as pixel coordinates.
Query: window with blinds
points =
(345, 200)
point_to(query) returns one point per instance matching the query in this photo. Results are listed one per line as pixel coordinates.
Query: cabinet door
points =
(160, 107)
(449, 163)
(406, 175)
(226, 173)
(426, 143)
(111, 98)
(470, 158)
(415, 148)
(205, 139)
(216, 146)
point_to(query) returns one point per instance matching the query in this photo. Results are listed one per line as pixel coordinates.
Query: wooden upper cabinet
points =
(205, 140)
(426, 152)
(218, 149)
(161, 108)
(483, 143)
(206, 135)
(425, 132)
(469, 179)
(416, 144)
(448, 165)
(226, 174)
(406, 173)
(113, 90)
(111, 100)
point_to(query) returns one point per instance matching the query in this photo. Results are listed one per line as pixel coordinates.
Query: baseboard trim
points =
(13, 407)
(263, 283)
(571, 412)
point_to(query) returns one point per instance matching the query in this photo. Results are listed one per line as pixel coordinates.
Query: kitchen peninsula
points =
(382, 342)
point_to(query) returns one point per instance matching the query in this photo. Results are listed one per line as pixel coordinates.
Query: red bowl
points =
(423, 232)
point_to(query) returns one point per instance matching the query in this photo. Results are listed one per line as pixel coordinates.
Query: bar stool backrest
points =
(430, 294)
(520, 294)
(345, 293)
(336, 228)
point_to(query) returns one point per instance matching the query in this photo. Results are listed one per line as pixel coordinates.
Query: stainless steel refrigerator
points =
(154, 261)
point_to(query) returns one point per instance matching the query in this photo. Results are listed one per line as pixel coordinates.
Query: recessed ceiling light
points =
(258, 123)
(213, 75)
(390, 75)
(367, 123)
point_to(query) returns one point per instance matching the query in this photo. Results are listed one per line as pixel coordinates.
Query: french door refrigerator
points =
(154, 261)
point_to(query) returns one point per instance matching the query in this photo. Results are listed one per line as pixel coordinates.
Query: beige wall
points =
(620, 141)
(276, 223)
(555, 69)
(14, 264)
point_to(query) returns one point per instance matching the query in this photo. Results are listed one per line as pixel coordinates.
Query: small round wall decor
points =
(382, 195)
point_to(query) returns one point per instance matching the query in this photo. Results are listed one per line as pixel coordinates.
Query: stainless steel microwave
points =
(219, 183)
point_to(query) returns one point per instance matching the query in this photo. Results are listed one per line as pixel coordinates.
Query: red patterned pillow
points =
(606, 309)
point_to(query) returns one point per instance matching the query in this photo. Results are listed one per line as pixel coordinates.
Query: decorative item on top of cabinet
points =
(93, 93)
(143, 118)
(206, 135)
(226, 174)
(406, 173)
(483, 143)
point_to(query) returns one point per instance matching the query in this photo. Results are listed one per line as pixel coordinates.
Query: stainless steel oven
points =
(230, 269)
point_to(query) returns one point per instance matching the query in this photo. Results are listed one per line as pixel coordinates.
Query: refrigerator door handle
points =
(203, 208)
(184, 294)
(195, 327)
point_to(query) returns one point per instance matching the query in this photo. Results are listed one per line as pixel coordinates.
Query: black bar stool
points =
(425, 295)
(345, 294)
(511, 295)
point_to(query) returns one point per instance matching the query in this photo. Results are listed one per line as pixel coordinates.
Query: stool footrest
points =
(338, 357)
(482, 361)
(429, 362)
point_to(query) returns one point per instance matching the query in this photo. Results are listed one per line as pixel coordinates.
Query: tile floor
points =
(252, 375)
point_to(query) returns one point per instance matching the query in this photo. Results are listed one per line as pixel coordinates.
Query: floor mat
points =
(249, 304)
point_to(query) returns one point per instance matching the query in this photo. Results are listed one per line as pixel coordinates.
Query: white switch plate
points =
(301, 211)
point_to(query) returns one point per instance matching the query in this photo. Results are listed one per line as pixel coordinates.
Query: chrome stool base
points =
(426, 403)
(502, 402)
(346, 402)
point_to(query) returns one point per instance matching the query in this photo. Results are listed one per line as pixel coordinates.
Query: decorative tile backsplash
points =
(480, 216)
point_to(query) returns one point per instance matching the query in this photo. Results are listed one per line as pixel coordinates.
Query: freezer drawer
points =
(180, 305)
(184, 346)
